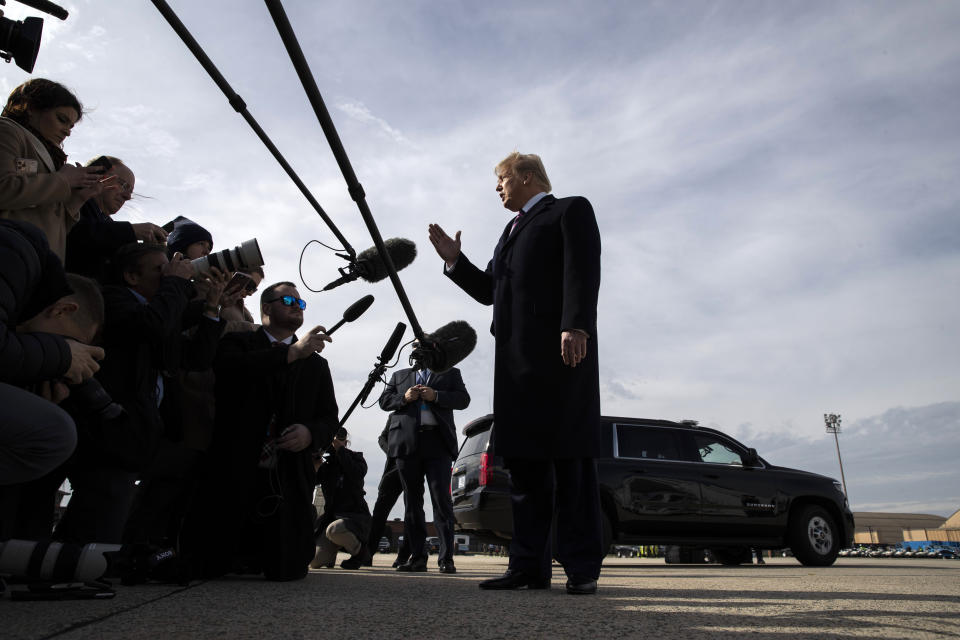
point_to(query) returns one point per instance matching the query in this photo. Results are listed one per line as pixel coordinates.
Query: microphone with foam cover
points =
(353, 312)
(444, 348)
(391, 347)
(369, 264)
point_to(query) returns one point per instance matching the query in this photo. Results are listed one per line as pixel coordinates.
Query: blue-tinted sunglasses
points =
(289, 301)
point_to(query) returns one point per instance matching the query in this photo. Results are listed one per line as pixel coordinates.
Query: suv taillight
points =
(485, 471)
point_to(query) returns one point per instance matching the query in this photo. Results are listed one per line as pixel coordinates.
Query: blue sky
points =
(775, 183)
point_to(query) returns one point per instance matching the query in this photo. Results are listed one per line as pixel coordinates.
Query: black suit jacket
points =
(543, 279)
(403, 427)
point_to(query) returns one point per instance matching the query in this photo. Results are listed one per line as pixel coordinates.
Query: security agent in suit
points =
(543, 283)
(422, 437)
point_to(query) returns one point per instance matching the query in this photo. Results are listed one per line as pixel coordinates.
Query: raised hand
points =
(447, 248)
(179, 267)
(149, 232)
(312, 342)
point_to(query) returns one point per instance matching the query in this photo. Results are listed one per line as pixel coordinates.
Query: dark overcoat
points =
(404, 423)
(232, 516)
(544, 278)
(31, 278)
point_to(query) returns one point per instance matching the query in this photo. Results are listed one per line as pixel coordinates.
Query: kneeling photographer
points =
(345, 523)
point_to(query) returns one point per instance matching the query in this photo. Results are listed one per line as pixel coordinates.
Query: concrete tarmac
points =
(638, 598)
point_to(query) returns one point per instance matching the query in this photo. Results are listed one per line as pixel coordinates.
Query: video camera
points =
(20, 39)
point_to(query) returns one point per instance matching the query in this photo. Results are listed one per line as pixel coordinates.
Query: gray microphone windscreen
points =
(402, 252)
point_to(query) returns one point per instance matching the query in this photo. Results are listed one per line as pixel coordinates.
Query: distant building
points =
(947, 534)
(888, 528)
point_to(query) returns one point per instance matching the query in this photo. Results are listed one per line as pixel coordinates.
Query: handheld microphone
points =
(353, 312)
(445, 347)
(391, 347)
(370, 266)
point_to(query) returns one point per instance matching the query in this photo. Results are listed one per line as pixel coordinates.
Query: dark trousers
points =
(99, 506)
(163, 497)
(389, 490)
(413, 469)
(570, 484)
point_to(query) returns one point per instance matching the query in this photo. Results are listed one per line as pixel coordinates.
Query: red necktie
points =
(516, 221)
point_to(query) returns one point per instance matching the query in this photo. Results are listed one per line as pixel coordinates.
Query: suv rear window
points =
(475, 444)
(636, 441)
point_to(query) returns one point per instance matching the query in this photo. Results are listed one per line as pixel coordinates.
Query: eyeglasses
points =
(289, 301)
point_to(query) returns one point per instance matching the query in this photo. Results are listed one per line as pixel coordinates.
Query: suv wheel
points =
(814, 536)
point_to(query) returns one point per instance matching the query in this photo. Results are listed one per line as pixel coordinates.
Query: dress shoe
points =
(447, 567)
(358, 559)
(413, 566)
(579, 587)
(516, 580)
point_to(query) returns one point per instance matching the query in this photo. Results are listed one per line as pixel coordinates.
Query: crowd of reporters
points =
(142, 378)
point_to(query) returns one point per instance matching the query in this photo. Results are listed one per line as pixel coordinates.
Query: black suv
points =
(674, 483)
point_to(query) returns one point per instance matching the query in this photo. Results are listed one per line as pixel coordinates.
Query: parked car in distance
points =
(673, 483)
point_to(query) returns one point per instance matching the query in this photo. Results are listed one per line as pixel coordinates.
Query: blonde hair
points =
(519, 163)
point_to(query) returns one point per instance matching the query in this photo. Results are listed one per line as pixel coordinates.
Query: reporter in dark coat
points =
(274, 392)
(345, 522)
(36, 435)
(543, 283)
(96, 236)
(143, 343)
(422, 436)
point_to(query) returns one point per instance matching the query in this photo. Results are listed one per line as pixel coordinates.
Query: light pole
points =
(832, 421)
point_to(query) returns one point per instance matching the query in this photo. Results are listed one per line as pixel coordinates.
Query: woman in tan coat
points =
(36, 183)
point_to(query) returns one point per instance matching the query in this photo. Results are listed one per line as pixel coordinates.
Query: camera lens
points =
(245, 256)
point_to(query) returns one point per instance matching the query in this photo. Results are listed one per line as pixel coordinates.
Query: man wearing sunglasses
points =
(275, 407)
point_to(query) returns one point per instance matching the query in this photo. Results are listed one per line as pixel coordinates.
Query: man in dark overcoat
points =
(543, 283)
(275, 407)
(422, 437)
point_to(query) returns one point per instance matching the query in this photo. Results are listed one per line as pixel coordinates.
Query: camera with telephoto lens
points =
(90, 399)
(50, 563)
(55, 561)
(244, 257)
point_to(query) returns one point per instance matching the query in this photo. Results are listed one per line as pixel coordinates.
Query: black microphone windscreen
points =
(355, 310)
(448, 345)
(402, 252)
(391, 347)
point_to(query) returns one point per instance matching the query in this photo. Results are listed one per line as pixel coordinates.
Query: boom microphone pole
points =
(353, 185)
(241, 107)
